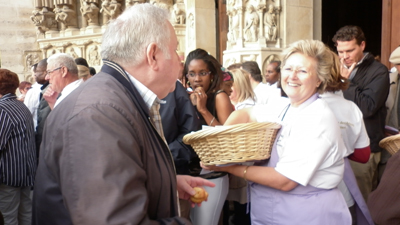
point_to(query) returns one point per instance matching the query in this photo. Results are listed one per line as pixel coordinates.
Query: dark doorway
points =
(366, 14)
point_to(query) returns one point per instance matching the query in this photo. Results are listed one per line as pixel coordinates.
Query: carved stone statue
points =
(94, 57)
(72, 53)
(90, 12)
(179, 15)
(43, 20)
(105, 10)
(37, 17)
(251, 25)
(114, 9)
(66, 16)
(233, 32)
(270, 22)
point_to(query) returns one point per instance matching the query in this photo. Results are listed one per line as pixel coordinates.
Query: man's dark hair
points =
(82, 62)
(92, 71)
(252, 68)
(277, 66)
(348, 33)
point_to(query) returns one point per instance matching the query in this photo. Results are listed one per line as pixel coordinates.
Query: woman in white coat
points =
(298, 185)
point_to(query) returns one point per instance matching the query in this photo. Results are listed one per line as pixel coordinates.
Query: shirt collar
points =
(148, 96)
(362, 60)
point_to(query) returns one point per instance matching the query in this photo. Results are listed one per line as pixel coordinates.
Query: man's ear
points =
(151, 55)
(362, 45)
(64, 71)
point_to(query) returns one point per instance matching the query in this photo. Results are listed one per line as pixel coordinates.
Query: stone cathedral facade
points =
(257, 30)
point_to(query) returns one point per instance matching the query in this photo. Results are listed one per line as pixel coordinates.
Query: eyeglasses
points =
(202, 74)
(49, 72)
(289, 70)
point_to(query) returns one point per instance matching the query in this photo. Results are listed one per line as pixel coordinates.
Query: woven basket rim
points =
(213, 131)
(391, 143)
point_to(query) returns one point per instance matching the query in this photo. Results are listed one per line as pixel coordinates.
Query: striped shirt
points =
(17, 143)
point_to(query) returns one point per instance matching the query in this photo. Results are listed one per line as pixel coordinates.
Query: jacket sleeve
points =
(185, 121)
(102, 174)
(384, 202)
(371, 97)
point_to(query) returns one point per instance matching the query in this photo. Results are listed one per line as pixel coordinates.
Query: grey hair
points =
(127, 37)
(316, 50)
(63, 59)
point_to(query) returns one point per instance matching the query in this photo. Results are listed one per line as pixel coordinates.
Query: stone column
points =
(200, 26)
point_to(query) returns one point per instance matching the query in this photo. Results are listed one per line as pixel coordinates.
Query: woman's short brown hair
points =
(9, 82)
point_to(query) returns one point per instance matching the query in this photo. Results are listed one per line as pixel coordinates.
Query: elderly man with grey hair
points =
(62, 74)
(104, 159)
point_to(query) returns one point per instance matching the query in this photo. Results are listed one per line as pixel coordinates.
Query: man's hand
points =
(50, 96)
(185, 185)
(343, 69)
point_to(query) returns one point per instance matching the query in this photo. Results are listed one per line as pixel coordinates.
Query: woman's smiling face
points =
(299, 78)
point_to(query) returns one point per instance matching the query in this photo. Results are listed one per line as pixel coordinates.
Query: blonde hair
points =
(242, 85)
(337, 82)
(318, 51)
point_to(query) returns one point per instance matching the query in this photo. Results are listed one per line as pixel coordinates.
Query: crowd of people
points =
(108, 149)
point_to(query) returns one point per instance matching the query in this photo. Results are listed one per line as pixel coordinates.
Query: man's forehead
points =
(344, 44)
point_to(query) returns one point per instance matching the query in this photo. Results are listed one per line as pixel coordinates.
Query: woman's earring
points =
(212, 80)
(188, 83)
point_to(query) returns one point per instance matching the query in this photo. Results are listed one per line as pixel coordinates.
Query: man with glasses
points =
(104, 158)
(62, 74)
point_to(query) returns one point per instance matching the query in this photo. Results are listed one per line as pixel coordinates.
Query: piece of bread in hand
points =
(200, 196)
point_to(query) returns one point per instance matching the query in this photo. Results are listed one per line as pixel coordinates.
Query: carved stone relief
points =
(179, 14)
(94, 57)
(190, 29)
(251, 57)
(268, 59)
(31, 58)
(253, 21)
(72, 53)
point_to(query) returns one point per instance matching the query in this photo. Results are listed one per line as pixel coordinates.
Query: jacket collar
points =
(122, 77)
(8, 96)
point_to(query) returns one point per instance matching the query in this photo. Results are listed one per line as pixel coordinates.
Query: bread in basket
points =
(234, 144)
(391, 143)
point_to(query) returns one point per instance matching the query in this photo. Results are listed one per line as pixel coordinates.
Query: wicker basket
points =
(391, 143)
(234, 144)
